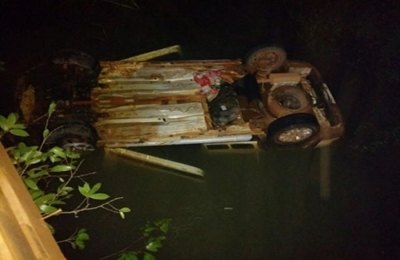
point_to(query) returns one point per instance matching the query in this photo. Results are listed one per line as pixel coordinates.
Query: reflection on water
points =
(251, 203)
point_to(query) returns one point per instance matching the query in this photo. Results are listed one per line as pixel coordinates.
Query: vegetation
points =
(50, 174)
(51, 177)
(154, 233)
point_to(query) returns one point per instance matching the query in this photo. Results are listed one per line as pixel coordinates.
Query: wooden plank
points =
(101, 103)
(173, 70)
(193, 124)
(156, 111)
(135, 85)
(155, 54)
(23, 233)
(185, 168)
(174, 140)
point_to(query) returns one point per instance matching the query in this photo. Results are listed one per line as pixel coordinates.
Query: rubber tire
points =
(255, 55)
(277, 109)
(69, 61)
(291, 122)
(75, 73)
(82, 134)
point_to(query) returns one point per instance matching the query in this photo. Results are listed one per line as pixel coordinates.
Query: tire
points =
(265, 60)
(288, 99)
(71, 61)
(75, 73)
(75, 136)
(294, 131)
(65, 75)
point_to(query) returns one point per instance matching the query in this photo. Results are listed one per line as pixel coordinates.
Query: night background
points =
(354, 44)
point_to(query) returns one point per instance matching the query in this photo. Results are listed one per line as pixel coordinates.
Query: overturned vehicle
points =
(142, 102)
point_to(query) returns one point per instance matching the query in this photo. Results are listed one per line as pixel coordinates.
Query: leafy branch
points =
(49, 174)
(154, 234)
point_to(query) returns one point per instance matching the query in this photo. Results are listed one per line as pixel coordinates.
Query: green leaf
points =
(80, 239)
(54, 158)
(148, 256)
(30, 183)
(72, 155)
(99, 196)
(95, 188)
(3, 123)
(33, 161)
(61, 168)
(58, 202)
(125, 209)
(64, 190)
(45, 133)
(164, 227)
(47, 198)
(38, 174)
(19, 132)
(85, 189)
(80, 244)
(18, 126)
(128, 255)
(47, 209)
(36, 193)
(52, 108)
(148, 229)
(11, 120)
(82, 235)
(58, 151)
(153, 246)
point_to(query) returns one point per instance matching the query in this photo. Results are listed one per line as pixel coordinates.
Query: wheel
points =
(76, 136)
(75, 73)
(75, 63)
(294, 131)
(77, 144)
(288, 99)
(65, 75)
(265, 60)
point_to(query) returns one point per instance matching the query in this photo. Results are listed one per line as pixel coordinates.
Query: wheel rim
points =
(289, 102)
(295, 135)
(77, 145)
(265, 60)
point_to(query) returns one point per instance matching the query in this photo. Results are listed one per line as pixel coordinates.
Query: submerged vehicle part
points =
(66, 78)
(73, 136)
(267, 97)
(67, 75)
(136, 102)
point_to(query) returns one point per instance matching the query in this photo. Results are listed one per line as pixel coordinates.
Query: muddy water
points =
(251, 204)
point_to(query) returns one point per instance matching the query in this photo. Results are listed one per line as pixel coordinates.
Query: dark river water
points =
(251, 204)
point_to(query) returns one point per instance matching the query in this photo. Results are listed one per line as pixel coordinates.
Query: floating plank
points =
(155, 54)
(185, 168)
